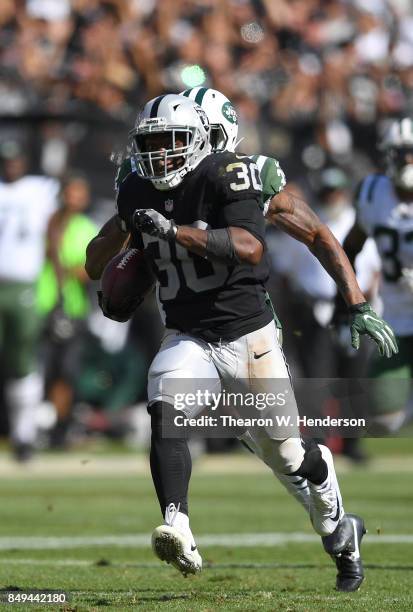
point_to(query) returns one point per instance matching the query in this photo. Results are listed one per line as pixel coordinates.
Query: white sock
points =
(300, 492)
(23, 397)
(177, 519)
(297, 487)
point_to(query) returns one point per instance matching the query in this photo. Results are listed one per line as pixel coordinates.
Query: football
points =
(126, 280)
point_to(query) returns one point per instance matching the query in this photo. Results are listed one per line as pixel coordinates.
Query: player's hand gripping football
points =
(149, 221)
(365, 321)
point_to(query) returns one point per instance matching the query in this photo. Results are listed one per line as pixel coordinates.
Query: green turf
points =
(289, 577)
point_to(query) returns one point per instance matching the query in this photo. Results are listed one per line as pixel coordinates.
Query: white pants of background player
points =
(211, 364)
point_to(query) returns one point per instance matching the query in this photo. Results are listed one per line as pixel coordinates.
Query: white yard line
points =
(142, 540)
(87, 465)
(158, 565)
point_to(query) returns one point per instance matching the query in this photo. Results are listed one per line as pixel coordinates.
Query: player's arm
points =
(100, 250)
(352, 246)
(295, 217)
(354, 242)
(230, 245)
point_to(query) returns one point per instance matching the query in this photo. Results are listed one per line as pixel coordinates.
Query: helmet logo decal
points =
(229, 112)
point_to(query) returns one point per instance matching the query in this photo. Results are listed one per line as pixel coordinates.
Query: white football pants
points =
(255, 360)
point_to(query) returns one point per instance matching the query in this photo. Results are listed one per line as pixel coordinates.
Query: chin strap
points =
(175, 180)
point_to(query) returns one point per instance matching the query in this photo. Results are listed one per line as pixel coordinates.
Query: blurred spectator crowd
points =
(313, 82)
(310, 78)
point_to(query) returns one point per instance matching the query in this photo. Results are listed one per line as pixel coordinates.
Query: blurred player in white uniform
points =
(384, 205)
(26, 203)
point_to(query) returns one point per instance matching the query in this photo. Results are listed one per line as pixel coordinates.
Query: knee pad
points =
(313, 467)
(282, 456)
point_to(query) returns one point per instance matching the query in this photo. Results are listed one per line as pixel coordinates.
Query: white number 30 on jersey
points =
(245, 175)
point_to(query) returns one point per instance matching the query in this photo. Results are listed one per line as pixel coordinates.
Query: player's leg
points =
(285, 453)
(257, 363)
(24, 386)
(390, 388)
(171, 465)
(295, 485)
(179, 358)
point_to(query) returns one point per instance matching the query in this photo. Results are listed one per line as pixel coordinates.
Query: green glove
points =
(365, 321)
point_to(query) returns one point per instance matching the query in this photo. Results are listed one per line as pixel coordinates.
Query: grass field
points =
(87, 532)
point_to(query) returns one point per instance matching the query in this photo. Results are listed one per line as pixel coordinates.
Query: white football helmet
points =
(398, 147)
(186, 132)
(221, 115)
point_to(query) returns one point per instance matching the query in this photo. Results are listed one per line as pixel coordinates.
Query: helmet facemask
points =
(170, 139)
(173, 150)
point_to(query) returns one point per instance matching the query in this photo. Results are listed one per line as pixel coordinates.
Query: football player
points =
(384, 205)
(223, 137)
(205, 237)
(26, 204)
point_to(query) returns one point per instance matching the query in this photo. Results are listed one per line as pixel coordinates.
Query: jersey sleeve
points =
(272, 178)
(245, 214)
(48, 191)
(238, 194)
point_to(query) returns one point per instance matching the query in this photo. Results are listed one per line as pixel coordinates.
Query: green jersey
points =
(126, 167)
(272, 177)
(72, 253)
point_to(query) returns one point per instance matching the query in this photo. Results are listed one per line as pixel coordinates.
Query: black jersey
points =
(207, 299)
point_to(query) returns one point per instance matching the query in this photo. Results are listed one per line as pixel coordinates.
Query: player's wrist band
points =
(359, 307)
(219, 247)
(172, 232)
